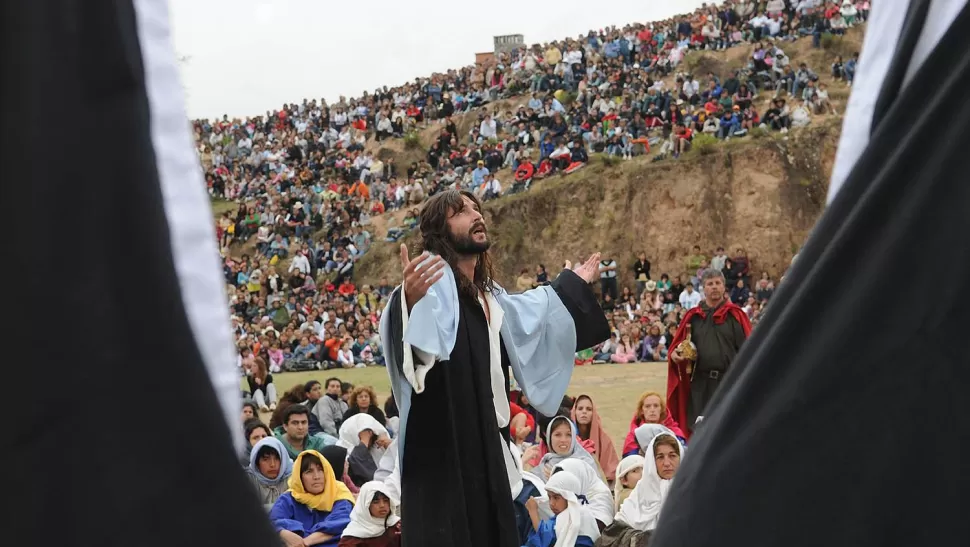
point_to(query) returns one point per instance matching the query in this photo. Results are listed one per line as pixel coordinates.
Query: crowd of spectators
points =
(308, 186)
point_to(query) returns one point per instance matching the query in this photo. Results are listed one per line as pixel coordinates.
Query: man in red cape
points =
(718, 328)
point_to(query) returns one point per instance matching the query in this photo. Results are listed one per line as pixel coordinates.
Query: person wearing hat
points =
(478, 175)
(641, 272)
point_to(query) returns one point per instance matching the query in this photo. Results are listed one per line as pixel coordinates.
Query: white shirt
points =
(301, 263)
(487, 128)
(690, 299)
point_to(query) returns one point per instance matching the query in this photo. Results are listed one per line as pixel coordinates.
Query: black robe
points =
(88, 467)
(845, 421)
(454, 483)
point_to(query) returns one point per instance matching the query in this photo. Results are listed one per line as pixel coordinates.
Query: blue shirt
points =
(289, 514)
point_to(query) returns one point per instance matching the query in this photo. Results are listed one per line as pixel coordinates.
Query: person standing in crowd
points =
(330, 408)
(607, 271)
(316, 508)
(470, 332)
(717, 329)
(641, 272)
(295, 431)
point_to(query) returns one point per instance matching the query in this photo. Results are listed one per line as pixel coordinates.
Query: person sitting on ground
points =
(295, 431)
(261, 385)
(337, 456)
(592, 488)
(628, 474)
(317, 507)
(650, 409)
(626, 351)
(249, 411)
(330, 408)
(373, 521)
(254, 431)
(594, 436)
(572, 524)
(561, 444)
(364, 400)
(639, 514)
(269, 470)
(294, 396)
(366, 439)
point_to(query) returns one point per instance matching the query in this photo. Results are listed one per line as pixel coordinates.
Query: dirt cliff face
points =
(763, 195)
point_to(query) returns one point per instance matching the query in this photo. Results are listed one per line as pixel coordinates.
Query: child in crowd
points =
(373, 521)
(628, 474)
(572, 526)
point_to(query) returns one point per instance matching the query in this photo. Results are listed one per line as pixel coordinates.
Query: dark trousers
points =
(702, 388)
(608, 286)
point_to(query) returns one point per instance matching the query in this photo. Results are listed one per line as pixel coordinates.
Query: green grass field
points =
(613, 388)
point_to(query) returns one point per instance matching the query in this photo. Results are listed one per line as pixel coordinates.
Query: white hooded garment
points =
(576, 520)
(641, 511)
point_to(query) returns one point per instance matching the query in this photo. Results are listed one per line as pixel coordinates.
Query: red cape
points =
(678, 381)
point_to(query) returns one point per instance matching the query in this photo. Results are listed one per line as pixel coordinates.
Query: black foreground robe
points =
(454, 483)
(76, 124)
(846, 419)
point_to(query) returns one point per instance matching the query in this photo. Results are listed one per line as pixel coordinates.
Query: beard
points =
(465, 244)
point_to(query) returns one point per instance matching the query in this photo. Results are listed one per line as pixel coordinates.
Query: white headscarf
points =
(575, 449)
(642, 509)
(597, 494)
(350, 433)
(646, 433)
(363, 525)
(627, 464)
(576, 520)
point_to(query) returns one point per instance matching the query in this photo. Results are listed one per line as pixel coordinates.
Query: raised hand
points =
(588, 270)
(419, 274)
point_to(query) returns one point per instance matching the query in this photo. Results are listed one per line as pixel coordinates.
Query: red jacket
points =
(515, 410)
(678, 381)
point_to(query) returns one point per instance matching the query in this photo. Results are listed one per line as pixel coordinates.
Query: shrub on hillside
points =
(610, 161)
(759, 133)
(412, 141)
(704, 144)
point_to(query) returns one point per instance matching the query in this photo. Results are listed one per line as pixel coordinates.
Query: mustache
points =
(478, 225)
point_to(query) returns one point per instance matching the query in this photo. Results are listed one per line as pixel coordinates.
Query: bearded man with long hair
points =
(451, 335)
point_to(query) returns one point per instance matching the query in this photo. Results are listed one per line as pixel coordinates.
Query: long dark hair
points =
(436, 238)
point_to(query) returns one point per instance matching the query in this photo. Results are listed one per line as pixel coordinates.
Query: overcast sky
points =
(245, 57)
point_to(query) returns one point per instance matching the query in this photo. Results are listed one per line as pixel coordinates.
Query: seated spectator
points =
(269, 470)
(628, 474)
(364, 400)
(295, 431)
(596, 440)
(562, 443)
(316, 509)
(367, 440)
(739, 293)
(253, 431)
(591, 486)
(249, 411)
(572, 524)
(261, 385)
(373, 521)
(625, 352)
(639, 514)
(337, 456)
(650, 409)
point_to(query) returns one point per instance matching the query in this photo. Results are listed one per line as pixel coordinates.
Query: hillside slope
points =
(763, 194)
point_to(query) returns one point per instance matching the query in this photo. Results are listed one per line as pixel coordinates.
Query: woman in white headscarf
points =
(573, 524)
(640, 513)
(366, 440)
(597, 495)
(562, 444)
(373, 521)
